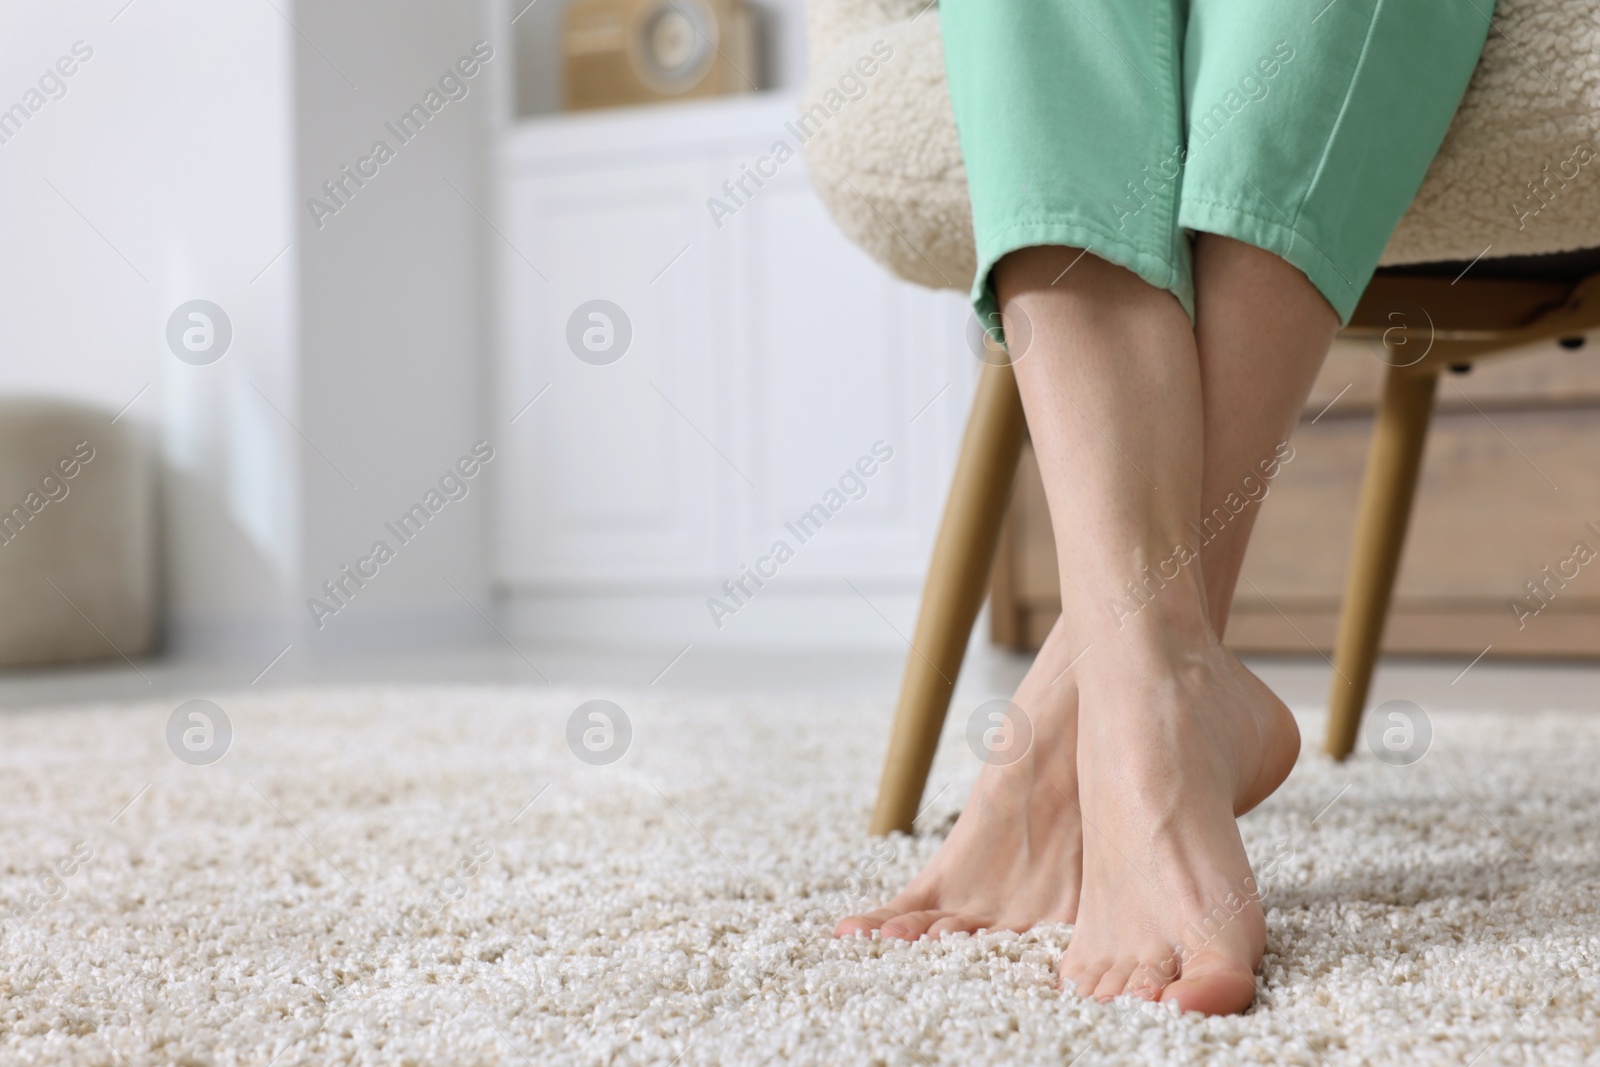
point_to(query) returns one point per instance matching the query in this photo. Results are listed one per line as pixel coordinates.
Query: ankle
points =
(1127, 593)
(1169, 633)
(1167, 658)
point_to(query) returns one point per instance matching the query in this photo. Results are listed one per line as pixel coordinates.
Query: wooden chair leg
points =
(1387, 489)
(957, 578)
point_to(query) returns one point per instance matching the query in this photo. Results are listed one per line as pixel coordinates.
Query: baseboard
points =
(1464, 630)
(359, 631)
(1439, 630)
(877, 617)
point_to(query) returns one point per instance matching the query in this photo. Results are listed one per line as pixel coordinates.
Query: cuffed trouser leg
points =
(1123, 126)
(1063, 106)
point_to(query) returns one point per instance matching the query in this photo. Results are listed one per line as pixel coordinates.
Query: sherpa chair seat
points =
(1515, 171)
(1477, 252)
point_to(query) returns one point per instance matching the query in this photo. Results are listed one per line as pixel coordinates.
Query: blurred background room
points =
(398, 225)
(368, 315)
(419, 403)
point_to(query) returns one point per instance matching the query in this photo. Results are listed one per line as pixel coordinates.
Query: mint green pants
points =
(1125, 126)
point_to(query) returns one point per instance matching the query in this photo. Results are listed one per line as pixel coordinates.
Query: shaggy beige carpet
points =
(432, 876)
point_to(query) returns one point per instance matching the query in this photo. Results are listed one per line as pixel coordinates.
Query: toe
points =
(1115, 980)
(1067, 973)
(1114, 983)
(959, 924)
(863, 925)
(1150, 977)
(1084, 977)
(912, 924)
(1212, 984)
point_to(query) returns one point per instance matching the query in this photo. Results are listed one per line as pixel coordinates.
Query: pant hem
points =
(1159, 271)
(1340, 284)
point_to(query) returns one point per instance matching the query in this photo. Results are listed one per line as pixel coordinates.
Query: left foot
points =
(1013, 858)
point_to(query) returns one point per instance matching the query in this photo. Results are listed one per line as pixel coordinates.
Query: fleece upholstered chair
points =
(1500, 249)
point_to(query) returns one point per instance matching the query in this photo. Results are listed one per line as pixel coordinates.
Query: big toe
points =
(1214, 985)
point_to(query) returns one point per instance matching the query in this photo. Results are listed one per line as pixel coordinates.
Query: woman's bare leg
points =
(1263, 331)
(1174, 735)
(1013, 857)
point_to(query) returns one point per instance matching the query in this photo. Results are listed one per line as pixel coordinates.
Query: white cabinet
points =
(767, 357)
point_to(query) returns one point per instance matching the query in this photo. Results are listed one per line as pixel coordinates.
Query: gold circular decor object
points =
(675, 44)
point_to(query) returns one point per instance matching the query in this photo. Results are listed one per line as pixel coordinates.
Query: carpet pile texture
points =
(433, 876)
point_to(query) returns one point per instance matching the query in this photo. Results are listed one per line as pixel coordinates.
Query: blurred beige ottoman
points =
(77, 535)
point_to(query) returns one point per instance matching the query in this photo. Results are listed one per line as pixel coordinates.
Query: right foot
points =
(1176, 745)
(1014, 857)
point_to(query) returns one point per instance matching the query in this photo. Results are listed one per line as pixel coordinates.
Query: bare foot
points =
(1014, 857)
(1174, 738)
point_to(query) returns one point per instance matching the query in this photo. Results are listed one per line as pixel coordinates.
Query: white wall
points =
(394, 297)
(177, 165)
(162, 175)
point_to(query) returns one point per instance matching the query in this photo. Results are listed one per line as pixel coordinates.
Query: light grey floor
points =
(872, 674)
